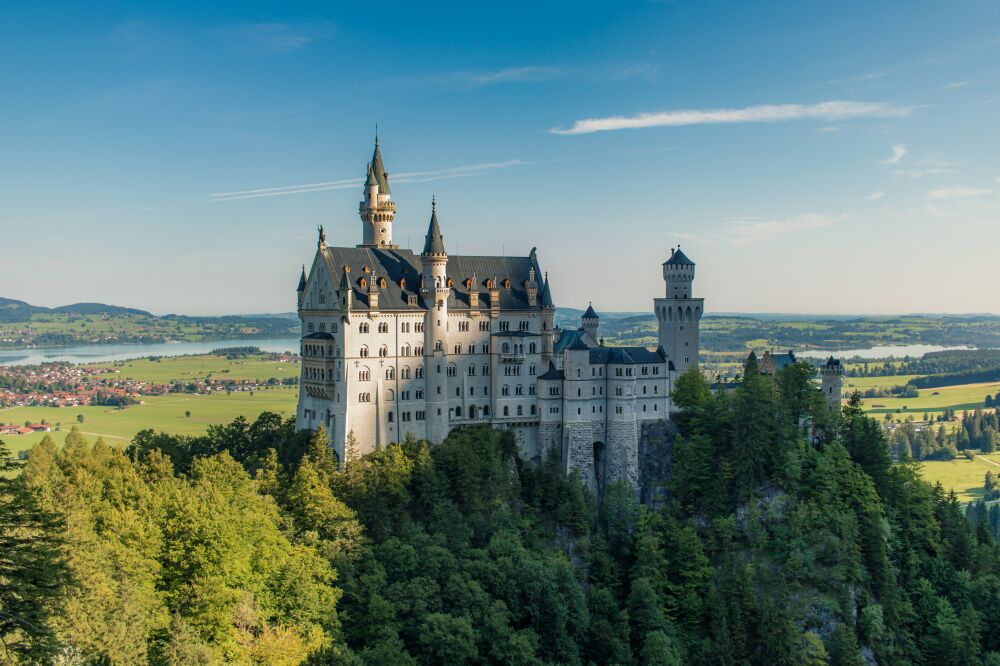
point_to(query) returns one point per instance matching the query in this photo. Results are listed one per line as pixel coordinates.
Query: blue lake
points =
(107, 353)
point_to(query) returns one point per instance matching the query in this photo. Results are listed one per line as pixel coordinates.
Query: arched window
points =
(506, 410)
(458, 348)
(312, 327)
(390, 373)
(390, 417)
(364, 375)
(383, 351)
(363, 327)
(533, 410)
(438, 346)
(506, 283)
(489, 284)
(363, 351)
(382, 283)
(383, 327)
(390, 395)
(405, 351)
(520, 410)
(504, 390)
(364, 283)
(458, 411)
(405, 372)
(472, 411)
(505, 348)
(532, 347)
(333, 328)
(486, 410)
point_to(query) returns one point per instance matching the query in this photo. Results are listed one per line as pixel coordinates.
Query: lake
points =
(107, 353)
(886, 351)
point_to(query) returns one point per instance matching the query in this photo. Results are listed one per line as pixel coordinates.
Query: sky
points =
(811, 157)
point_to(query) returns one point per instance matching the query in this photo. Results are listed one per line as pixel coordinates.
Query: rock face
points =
(656, 456)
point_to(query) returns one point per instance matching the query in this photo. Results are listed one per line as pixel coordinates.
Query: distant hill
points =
(98, 309)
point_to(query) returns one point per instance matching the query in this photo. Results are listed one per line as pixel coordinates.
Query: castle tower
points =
(589, 322)
(832, 383)
(548, 321)
(434, 290)
(300, 291)
(679, 313)
(377, 211)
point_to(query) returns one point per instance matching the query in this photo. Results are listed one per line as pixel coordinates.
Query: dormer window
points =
(402, 283)
(506, 284)
(367, 269)
(382, 283)
(364, 282)
(468, 284)
(451, 283)
(489, 284)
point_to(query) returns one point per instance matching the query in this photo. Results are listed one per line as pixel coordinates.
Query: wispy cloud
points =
(411, 177)
(276, 37)
(766, 113)
(468, 79)
(926, 164)
(957, 192)
(897, 154)
(755, 229)
(958, 84)
(870, 76)
(875, 196)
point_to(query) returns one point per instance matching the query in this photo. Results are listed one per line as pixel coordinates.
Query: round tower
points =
(832, 383)
(434, 290)
(377, 210)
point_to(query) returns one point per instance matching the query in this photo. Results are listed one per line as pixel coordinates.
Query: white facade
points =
(397, 344)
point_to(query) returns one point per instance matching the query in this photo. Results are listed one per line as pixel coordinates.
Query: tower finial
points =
(433, 203)
(376, 134)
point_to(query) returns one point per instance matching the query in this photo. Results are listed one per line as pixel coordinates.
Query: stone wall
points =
(655, 458)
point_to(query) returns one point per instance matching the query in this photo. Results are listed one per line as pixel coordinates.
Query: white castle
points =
(395, 343)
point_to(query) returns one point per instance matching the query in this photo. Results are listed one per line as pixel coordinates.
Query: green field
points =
(165, 413)
(963, 476)
(200, 367)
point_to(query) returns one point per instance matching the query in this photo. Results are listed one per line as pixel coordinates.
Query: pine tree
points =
(33, 571)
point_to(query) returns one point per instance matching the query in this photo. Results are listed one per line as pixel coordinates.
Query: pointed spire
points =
(371, 180)
(434, 241)
(546, 293)
(590, 314)
(380, 173)
(345, 281)
(302, 280)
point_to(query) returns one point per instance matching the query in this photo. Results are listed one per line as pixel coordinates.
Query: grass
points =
(198, 367)
(162, 413)
(963, 476)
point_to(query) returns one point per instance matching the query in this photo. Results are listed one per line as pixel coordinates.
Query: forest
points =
(789, 537)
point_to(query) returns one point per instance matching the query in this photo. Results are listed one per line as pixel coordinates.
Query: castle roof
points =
(624, 355)
(380, 173)
(302, 281)
(552, 373)
(590, 314)
(546, 293)
(371, 180)
(402, 267)
(678, 258)
(567, 338)
(434, 241)
(832, 362)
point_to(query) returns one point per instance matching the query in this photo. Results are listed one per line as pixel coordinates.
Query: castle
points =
(395, 343)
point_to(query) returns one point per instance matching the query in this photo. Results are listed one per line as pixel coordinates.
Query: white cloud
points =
(411, 177)
(897, 154)
(958, 84)
(275, 37)
(875, 196)
(766, 113)
(468, 79)
(956, 192)
(871, 76)
(754, 229)
(829, 128)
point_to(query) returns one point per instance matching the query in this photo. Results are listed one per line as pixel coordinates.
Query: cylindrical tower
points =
(434, 290)
(377, 211)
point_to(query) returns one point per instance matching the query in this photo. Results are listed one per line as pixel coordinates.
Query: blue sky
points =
(811, 157)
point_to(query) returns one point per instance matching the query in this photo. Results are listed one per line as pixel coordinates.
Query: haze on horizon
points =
(810, 159)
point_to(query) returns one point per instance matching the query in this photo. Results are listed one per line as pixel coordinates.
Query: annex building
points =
(397, 343)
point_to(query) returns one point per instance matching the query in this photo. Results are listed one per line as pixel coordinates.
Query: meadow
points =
(162, 413)
(963, 476)
(183, 369)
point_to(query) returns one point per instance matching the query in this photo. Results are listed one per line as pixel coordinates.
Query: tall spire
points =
(302, 280)
(380, 173)
(546, 292)
(434, 241)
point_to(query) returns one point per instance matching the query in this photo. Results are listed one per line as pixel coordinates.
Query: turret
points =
(377, 211)
(589, 322)
(548, 321)
(435, 292)
(344, 291)
(679, 312)
(300, 291)
(832, 383)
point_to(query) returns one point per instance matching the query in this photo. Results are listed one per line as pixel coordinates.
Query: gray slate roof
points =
(434, 241)
(678, 258)
(380, 174)
(590, 314)
(397, 265)
(624, 355)
(567, 338)
(552, 373)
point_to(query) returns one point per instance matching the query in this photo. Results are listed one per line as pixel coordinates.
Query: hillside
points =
(23, 325)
